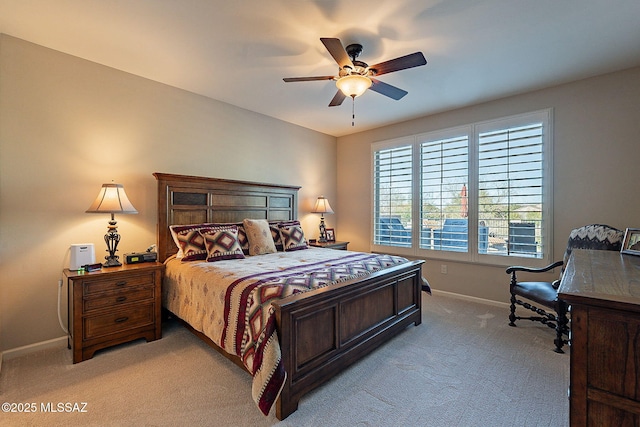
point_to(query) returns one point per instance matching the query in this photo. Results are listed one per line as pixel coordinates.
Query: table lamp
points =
(322, 207)
(112, 199)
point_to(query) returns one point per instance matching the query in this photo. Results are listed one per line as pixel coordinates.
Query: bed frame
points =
(321, 332)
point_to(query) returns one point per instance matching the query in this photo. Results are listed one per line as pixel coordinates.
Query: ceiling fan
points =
(355, 77)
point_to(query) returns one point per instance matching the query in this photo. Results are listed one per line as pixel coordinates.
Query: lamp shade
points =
(322, 206)
(353, 85)
(112, 199)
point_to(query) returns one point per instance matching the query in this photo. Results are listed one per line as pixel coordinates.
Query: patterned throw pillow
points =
(275, 232)
(189, 241)
(242, 238)
(292, 237)
(222, 243)
(259, 236)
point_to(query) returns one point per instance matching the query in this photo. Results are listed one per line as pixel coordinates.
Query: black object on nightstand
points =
(113, 306)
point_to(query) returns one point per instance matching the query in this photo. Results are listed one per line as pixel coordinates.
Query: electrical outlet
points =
(443, 268)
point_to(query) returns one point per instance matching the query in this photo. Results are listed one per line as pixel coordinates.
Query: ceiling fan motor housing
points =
(359, 68)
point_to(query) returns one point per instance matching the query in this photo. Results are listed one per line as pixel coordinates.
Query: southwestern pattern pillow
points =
(189, 241)
(259, 236)
(242, 238)
(275, 231)
(292, 237)
(222, 243)
(275, 234)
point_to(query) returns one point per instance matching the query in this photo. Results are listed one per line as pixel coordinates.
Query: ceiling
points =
(239, 51)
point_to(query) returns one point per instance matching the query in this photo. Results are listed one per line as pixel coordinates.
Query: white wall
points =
(596, 152)
(68, 125)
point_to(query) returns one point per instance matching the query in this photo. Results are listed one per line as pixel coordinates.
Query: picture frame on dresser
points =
(331, 235)
(631, 242)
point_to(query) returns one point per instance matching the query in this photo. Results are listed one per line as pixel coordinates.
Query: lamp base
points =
(112, 238)
(322, 237)
(112, 261)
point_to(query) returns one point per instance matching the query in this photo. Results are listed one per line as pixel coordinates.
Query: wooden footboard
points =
(324, 331)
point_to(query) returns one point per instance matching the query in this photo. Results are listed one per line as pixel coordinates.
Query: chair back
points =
(594, 236)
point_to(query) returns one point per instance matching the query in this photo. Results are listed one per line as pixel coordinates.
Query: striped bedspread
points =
(230, 302)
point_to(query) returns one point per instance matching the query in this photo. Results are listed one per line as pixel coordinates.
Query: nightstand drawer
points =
(117, 321)
(111, 284)
(116, 299)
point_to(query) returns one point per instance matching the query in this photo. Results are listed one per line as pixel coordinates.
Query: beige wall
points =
(596, 153)
(68, 125)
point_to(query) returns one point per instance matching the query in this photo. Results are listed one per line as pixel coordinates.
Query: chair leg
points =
(558, 341)
(561, 326)
(512, 316)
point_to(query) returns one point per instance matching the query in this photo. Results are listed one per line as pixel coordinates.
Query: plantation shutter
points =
(444, 174)
(510, 183)
(393, 196)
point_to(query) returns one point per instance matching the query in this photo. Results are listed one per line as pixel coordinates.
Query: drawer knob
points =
(121, 299)
(121, 319)
(121, 283)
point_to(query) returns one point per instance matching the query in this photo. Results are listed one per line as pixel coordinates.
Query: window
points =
(444, 172)
(393, 188)
(494, 175)
(510, 174)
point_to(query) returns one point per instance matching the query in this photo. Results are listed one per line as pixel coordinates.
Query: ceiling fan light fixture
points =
(353, 85)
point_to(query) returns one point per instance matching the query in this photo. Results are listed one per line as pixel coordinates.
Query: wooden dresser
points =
(603, 289)
(113, 306)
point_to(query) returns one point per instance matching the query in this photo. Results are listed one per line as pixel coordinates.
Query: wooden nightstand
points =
(330, 245)
(113, 306)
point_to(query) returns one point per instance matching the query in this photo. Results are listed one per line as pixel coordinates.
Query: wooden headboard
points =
(184, 199)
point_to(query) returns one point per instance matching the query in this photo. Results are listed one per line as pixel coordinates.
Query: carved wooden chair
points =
(554, 313)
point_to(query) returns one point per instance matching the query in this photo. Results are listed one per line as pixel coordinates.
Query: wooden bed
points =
(321, 332)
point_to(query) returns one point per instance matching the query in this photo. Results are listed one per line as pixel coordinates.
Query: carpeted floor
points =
(463, 366)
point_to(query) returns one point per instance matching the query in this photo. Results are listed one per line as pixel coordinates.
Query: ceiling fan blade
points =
(307, 79)
(387, 89)
(402, 63)
(335, 48)
(337, 99)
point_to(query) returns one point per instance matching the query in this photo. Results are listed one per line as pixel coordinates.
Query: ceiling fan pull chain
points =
(353, 110)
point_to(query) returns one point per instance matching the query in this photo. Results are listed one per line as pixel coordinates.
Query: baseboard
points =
(31, 348)
(470, 298)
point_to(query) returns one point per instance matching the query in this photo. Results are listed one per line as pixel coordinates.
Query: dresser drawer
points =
(95, 286)
(116, 299)
(118, 321)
